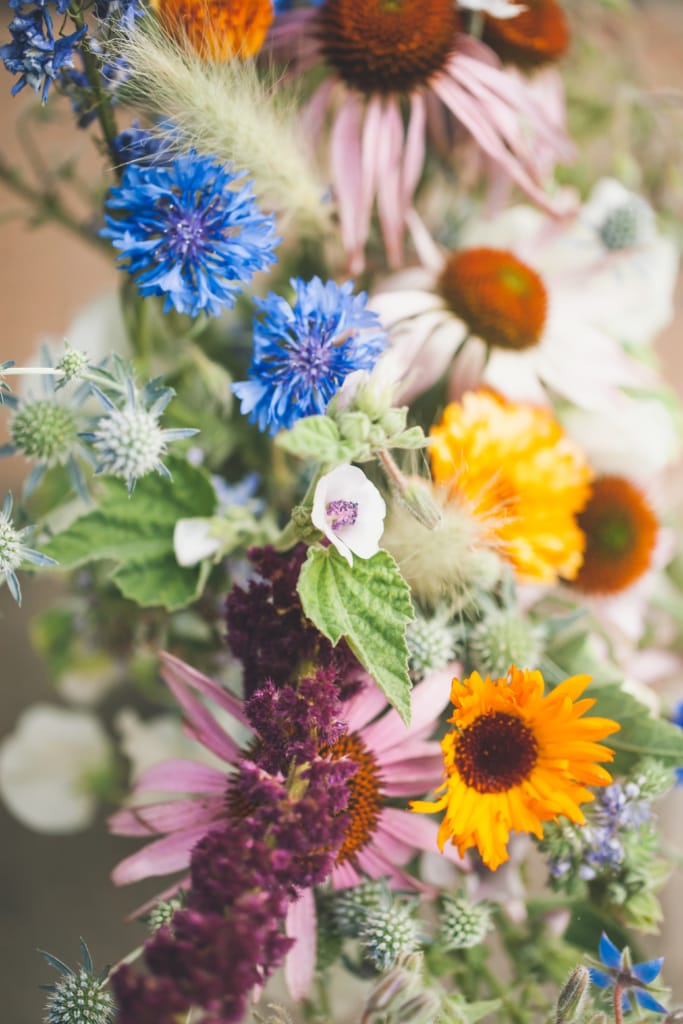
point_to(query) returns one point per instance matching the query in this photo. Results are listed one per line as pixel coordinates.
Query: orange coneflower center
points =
(365, 800)
(537, 35)
(217, 29)
(501, 299)
(621, 533)
(382, 46)
(496, 752)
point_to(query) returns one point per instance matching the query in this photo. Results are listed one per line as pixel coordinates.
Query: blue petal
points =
(609, 954)
(599, 978)
(648, 970)
(648, 1002)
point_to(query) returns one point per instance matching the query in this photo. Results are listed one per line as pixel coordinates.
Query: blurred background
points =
(55, 889)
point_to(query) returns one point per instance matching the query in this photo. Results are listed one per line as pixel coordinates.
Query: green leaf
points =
(414, 437)
(640, 735)
(313, 437)
(137, 534)
(458, 1011)
(368, 604)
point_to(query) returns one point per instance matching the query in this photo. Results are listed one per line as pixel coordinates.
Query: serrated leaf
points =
(368, 604)
(313, 437)
(640, 735)
(137, 534)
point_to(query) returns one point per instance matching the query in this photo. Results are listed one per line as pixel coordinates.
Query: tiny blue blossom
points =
(185, 231)
(126, 11)
(34, 54)
(631, 978)
(113, 72)
(13, 550)
(678, 720)
(136, 145)
(303, 353)
(60, 6)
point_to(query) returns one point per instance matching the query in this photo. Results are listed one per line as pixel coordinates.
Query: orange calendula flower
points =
(513, 468)
(217, 30)
(516, 758)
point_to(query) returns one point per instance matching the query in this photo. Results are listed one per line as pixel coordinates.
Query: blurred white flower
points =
(193, 541)
(350, 511)
(637, 438)
(49, 767)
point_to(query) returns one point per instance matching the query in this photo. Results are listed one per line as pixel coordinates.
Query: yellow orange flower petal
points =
(513, 468)
(217, 30)
(515, 758)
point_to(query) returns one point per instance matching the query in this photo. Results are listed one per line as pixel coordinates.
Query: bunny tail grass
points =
(229, 110)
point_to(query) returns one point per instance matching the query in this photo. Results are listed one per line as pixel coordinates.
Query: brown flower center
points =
(383, 46)
(365, 800)
(496, 752)
(217, 30)
(621, 533)
(502, 300)
(536, 36)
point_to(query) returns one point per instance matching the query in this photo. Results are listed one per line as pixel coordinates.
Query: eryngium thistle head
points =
(625, 225)
(79, 997)
(349, 908)
(463, 924)
(388, 933)
(73, 364)
(163, 911)
(129, 442)
(504, 638)
(432, 643)
(45, 431)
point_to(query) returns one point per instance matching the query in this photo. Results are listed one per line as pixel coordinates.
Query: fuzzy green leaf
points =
(413, 437)
(368, 604)
(137, 534)
(640, 735)
(313, 437)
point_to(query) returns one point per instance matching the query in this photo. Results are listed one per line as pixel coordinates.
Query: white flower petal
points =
(192, 541)
(350, 484)
(45, 764)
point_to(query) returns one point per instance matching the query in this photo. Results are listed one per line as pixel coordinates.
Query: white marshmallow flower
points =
(49, 768)
(350, 511)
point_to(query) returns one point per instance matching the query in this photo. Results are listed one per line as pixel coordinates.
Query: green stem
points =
(103, 107)
(49, 206)
(499, 990)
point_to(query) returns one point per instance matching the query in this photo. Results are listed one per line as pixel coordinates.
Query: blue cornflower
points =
(622, 973)
(34, 54)
(185, 231)
(125, 10)
(13, 550)
(136, 145)
(303, 353)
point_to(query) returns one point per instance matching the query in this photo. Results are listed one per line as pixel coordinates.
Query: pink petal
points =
(300, 924)
(414, 151)
(344, 876)
(182, 776)
(172, 853)
(173, 668)
(419, 831)
(202, 725)
(428, 700)
(346, 168)
(364, 706)
(391, 204)
(373, 862)
(414, 776)
(155, 819)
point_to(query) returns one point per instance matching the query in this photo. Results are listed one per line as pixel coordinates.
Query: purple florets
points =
(269, 633)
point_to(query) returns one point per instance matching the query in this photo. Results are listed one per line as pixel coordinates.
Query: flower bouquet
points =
(357, 495)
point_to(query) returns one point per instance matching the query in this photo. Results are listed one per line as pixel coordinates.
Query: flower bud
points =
(572, 995)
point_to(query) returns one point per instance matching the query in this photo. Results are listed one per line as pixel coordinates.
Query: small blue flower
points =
(629, 977)
(136, 145)
(303, 353)
(61, 6)
(75, 83)
(34, 54)
(185, 231)
(125, 10)
(677, 719)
